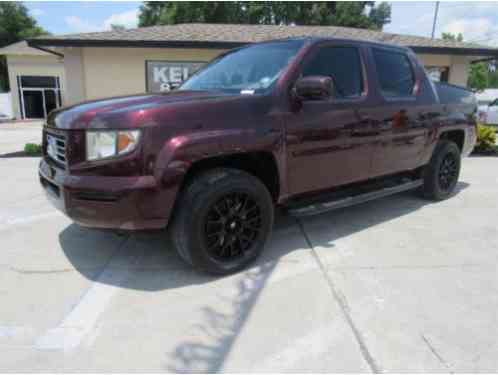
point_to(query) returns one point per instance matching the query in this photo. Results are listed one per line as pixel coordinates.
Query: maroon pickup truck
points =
(306, 124)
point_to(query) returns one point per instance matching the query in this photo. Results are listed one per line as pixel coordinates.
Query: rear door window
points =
(395, 73)
(343, 64)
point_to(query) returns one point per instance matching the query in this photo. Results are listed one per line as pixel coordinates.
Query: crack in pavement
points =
(342, 302)
(45, 272)
(436, 354)
(99, 268)
(415, 267)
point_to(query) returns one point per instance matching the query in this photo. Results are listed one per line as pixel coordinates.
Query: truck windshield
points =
(248, 70)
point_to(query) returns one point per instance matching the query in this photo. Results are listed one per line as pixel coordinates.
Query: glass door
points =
(33, 104)
(51, 100)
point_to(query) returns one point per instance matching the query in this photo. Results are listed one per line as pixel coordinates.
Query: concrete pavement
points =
(399, 284)
(16, 134)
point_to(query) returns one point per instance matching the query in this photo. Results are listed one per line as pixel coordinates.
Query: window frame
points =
(363, 70)
(413, 95)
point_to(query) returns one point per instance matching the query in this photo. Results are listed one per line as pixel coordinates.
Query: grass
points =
(32, 149)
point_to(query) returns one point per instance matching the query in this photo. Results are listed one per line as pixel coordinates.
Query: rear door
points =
(403, 115)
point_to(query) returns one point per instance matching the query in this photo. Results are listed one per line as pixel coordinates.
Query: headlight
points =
(106, 144)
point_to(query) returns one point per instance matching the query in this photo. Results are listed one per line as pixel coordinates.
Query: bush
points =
(486, 139)
(32, 149)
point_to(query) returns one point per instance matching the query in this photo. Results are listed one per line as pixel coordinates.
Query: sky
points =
(477, 21)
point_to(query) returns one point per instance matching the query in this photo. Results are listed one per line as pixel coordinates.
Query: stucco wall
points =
(434, 60)
(33, 66)
(73, 66)
(459, 66)
(121, 71)
(459, 71)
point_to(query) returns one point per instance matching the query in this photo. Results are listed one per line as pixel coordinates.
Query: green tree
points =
(117, 27)
(362, 14)
(453, 37)
(478, 76)
(380, 15)
(15, 25)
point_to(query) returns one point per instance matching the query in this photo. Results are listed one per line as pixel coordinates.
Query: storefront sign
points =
(167, 75)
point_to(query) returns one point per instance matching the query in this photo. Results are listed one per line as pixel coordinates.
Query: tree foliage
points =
(15, 25)
(453, 37)
(478, 76)
(117, 27)
(362, 14)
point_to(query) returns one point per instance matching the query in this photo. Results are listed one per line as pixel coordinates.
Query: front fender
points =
(180, 152)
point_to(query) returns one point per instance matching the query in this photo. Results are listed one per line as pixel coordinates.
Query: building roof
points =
(203, 35)
(22, 48)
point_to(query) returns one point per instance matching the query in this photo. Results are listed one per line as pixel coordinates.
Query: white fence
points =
(6, 106)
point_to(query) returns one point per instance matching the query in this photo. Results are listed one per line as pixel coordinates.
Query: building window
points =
(438, 73)
(38, 95)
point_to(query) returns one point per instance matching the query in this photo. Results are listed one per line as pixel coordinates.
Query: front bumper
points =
(129, 203)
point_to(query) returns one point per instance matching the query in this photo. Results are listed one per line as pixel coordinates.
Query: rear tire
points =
(223, 221)
(442, 172)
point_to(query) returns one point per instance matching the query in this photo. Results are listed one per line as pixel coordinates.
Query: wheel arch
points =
(454, 135)
(260, 164)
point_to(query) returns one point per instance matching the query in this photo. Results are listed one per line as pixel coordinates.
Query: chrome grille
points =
(56, 147)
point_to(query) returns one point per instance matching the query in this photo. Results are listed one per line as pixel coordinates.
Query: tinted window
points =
(395, 73)
(343, 65)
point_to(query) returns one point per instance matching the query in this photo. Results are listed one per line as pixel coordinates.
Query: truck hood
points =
(129, 111)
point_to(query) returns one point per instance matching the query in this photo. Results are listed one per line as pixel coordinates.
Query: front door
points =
(329, 143)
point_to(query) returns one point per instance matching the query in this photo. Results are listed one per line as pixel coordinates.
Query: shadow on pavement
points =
(19, 154)
(165, 270)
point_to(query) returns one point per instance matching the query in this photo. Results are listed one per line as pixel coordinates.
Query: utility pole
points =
(435, 19)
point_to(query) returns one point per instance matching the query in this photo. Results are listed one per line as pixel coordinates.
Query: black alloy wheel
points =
(232, 225)
(448, 172)
(441, 174)
(223, 220)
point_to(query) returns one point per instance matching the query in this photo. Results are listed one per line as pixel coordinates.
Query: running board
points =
(318, 208)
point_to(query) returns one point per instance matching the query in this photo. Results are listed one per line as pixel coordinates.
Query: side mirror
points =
(314, 88)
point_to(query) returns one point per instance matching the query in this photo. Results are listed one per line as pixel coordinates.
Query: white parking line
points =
(20, 219)
(11, 332)
(81, 320)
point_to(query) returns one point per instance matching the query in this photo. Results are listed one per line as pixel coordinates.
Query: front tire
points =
(223, 221)
(442, 172)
